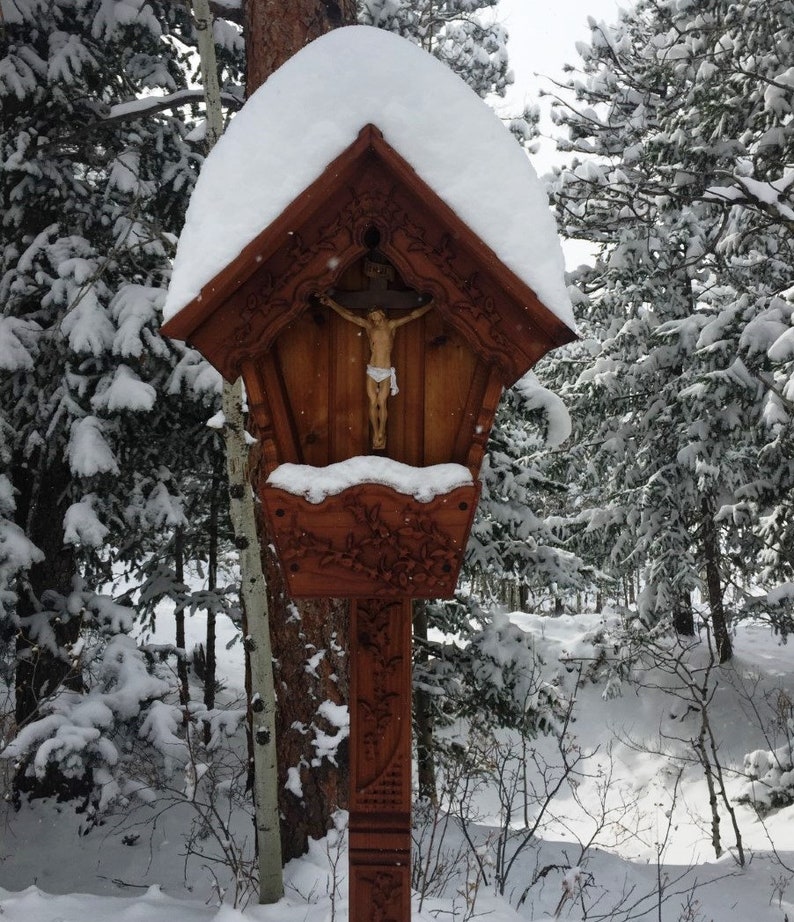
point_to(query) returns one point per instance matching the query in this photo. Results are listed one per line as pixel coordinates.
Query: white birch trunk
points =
(253, 590)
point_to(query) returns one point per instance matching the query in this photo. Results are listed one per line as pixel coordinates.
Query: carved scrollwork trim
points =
(274, 297)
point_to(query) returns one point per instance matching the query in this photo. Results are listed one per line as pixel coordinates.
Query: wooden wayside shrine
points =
(289, 314)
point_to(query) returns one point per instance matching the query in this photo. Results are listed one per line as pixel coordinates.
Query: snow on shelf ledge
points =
(317, 483)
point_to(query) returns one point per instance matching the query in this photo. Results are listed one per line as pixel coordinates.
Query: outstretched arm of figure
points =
(342, 311)
(414, 315)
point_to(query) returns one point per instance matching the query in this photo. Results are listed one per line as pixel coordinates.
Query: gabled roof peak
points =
(315, 106)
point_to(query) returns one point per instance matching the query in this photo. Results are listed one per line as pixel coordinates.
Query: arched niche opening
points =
(311, 404)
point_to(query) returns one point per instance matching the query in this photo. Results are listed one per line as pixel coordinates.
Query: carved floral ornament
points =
(371, 541)
(412, 247)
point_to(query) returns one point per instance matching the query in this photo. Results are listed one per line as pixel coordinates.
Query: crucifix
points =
(381, 376)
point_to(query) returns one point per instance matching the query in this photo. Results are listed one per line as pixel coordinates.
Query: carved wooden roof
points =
(239, 314)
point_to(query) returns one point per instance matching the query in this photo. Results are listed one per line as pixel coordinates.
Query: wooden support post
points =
(380, 760)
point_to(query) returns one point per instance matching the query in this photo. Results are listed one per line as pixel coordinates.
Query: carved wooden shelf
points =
(370, 541)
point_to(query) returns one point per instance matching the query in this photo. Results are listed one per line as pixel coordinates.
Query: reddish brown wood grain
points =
(486, 328)
(309, 400)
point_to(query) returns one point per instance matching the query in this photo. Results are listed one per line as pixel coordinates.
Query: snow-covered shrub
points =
(606, 654)
(491, 674)
(505, 681)
(488, 757)
(114, 729)
(514, 552)
(771, 774)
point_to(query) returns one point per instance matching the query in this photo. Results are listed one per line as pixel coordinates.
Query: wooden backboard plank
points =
(304, 359)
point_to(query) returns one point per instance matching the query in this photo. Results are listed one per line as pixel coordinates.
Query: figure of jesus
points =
(381, 376)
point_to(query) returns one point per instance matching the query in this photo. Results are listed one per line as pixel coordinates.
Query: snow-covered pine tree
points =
(96, 444)
(464, 34)
(514, 554)
(678, 111)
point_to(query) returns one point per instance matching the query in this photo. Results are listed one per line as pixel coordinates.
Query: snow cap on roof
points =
(314, 106)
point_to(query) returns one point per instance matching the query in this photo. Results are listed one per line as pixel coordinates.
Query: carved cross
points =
(380, 273)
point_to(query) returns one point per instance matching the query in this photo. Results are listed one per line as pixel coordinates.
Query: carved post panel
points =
(375, 328)
(380, 770)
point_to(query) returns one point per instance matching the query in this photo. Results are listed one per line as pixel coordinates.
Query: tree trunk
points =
(683, 617)
(261, 699)
(309, 638)
(181, 661)
(39, 670)
(711, 555)
(275, 31)
(310, 643)
(426, 768)
(210, 659)
(253, 592)
(40, 512)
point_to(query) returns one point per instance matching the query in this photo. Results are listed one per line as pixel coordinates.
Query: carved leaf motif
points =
(371, 541)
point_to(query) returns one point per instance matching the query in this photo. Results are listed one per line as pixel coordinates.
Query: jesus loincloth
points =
(380, 374)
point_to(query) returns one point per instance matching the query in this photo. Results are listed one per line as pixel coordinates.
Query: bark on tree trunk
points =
(39, 671)
(181, 663)
(310, 651)
(309, 638)
(210, 658)
(275, 31)
(711, 555)
(261, 698)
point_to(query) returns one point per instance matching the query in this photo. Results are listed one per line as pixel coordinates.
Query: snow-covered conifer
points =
(681, 135)
(97, 447)
(514, 554)
(464, 34)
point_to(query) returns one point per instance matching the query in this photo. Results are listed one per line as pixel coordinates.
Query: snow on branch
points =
(149, 105)
(536, 397)
(768, 196)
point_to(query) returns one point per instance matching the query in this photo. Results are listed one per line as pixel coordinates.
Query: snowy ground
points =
(650, 832)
